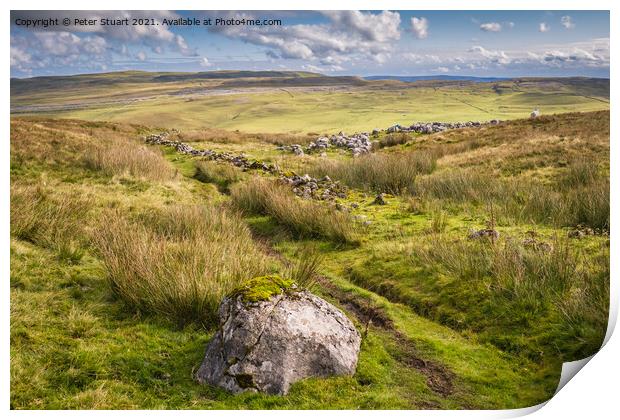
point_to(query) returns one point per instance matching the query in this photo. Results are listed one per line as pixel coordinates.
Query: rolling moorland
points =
(275, 102)
(121, 250)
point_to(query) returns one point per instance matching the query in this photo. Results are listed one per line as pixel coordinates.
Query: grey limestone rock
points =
(268, 345)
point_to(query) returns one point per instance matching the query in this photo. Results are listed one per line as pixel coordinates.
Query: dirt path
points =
(438, 377)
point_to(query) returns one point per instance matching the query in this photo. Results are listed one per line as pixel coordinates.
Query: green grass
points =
(492, 323)
(221, 174)
(393, 173)
(179, 261)
(303, 218)
(325, 109)
(73, 347)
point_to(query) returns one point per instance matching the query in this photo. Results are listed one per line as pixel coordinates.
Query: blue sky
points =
(476, 43)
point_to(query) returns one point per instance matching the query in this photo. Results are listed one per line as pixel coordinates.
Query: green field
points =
(290, 104)
(447, 322)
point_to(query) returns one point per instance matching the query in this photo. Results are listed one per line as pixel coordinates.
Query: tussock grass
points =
(123, 157)
(285, 139)
(580, 197)
(219, 135)
(304, 271)
(438, 221)
(393, 139)
(221, 174)
(524, 281)
(510, 268)
(60, 143)
(393, 173)
(51, 220)
(460, 185)
(301, 217)
(178, 262)
(587, 193)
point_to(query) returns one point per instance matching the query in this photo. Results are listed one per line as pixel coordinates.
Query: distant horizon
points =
(314, 72)
(488, 43)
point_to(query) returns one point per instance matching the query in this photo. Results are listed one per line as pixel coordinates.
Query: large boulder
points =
(273, 334)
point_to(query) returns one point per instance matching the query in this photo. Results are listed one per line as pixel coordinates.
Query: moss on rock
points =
(262, 288)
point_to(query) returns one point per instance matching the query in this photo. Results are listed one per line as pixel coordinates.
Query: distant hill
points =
(295, 102)
(438, 77)
(224, 79)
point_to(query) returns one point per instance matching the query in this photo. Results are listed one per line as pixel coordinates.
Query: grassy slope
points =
(75, 346)
(305, 103)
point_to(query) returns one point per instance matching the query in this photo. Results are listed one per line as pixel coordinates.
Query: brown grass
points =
(218, 135)
(55, 221)
(303, 218)
(532, 277)
(180, 261)
(393, 139)
(580, 196)
(125, 157)
(60, 142)
(393, 173)
(220, 173)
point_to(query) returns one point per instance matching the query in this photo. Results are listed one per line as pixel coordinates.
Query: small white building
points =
(535, 113)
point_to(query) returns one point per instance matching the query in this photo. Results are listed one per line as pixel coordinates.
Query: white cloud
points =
(47, 50)
(380, 27)
(510, 24)
(204, 62)
(498, 57)
(348, 36)
(141, 56)
(67, 44)
(155, 37)
(567, 22)
(491, 27)
(322, 69)
(577, 55)
(543, 27)
(20, 59)
(419, 26)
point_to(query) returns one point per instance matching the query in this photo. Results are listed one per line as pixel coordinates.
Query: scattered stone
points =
(240, 161)
(576, 234)
(394, 129)
(537, 245)
(581, 231)
(380, 200)
(273, 334)
(360, 143)
(484, 234)
(308, 187)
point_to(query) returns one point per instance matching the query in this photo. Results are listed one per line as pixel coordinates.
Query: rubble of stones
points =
(537, 245)
(361, 143)
(303, 186)
(239, 161)
(491, 234)
(583, 231)
(357, 144)
(312, 188)
(436, 127)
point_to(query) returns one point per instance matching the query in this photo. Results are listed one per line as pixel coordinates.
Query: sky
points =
(362, 43)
